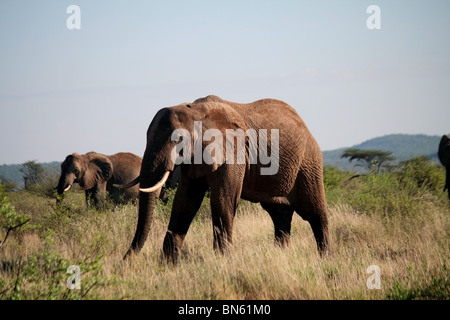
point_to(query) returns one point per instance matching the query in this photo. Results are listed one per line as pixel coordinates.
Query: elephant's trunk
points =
(146, 210)
(63, 185)
(152, 176)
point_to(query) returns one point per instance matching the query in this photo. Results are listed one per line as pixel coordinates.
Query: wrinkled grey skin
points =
(96, 173)
(296, 187)
(444, 157)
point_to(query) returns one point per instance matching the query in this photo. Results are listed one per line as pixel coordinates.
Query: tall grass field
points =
(390, 234)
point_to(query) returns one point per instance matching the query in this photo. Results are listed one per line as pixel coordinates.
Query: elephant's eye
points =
(76, 171)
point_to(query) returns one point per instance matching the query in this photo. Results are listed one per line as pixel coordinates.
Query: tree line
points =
(29, 174)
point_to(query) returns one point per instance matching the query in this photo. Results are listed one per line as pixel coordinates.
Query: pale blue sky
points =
(98, 88)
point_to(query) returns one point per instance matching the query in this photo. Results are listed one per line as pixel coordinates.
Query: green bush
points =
(423, 174)
(8, 185)
(333, 177)
(44, 275)
(335, 181)
(9, 219)
(405, 192)
(381, 194)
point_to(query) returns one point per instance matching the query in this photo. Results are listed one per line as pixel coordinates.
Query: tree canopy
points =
(373, 159)
(33, 173)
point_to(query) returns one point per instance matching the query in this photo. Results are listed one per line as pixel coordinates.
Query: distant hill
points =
(403, 147)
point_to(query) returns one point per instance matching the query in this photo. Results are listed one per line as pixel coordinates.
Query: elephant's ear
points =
(99, 169)
(220, 126)
(444, 150)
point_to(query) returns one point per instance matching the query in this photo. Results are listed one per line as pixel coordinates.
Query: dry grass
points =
(412, 253)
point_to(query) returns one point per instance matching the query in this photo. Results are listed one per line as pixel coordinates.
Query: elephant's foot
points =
(172, 247)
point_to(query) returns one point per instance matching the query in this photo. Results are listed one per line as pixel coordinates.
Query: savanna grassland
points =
(398, 221)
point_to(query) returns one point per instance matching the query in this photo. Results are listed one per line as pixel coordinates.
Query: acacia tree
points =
(33, 173)
(373, 159)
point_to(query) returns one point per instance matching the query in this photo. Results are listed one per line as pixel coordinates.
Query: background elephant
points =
(96, 173)
(296, 186)
(444, 157)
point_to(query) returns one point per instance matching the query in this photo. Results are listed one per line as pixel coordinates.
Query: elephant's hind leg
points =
(311, 206)
(282, 217)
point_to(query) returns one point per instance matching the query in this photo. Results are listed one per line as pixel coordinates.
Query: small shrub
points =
(9, 219)
(44, 275)
(333, 177)
(8, 185)
(423, 174)
(406, 192)
(334, 181)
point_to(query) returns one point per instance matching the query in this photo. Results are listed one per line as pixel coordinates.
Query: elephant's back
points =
(126, 166)
(275, 114)
(125, 158)
(270, 114)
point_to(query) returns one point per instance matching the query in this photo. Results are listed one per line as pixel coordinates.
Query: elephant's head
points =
(444, 157)
(177, 123)
(87, 170)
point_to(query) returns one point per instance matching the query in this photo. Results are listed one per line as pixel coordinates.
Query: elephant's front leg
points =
(226, 191)
(187, 201)
(90, 197)
(98, 194)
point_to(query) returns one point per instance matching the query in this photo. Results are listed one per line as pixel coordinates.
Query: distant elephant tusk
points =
(158, 185)
(127, 185)
(67, 188)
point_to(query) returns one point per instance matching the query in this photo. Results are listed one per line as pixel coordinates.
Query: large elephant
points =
(296, 185)
(444, 157)
(96, 173)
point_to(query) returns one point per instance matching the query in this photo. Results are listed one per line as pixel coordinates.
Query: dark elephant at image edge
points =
(297, 185)
(444, 157)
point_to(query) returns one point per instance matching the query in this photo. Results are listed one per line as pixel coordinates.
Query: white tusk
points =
(67, 188)
(158, 185)
(127, 185)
